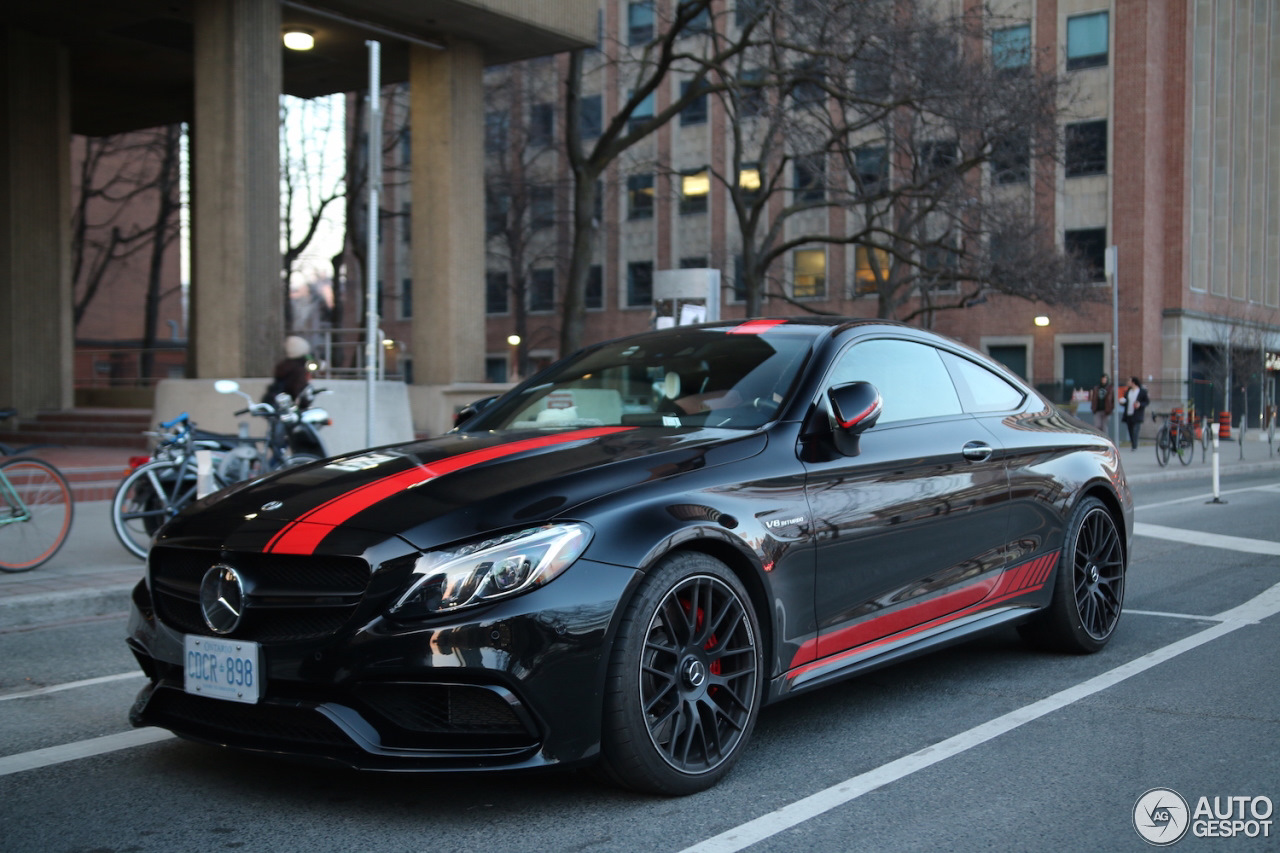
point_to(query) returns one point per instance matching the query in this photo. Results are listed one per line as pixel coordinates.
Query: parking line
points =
(1167, 615)
(1208, 540)
(740, 837)
(71, 685)
(80, 749)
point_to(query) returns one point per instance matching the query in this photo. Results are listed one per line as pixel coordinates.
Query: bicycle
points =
(1175, 436)
(36, 510)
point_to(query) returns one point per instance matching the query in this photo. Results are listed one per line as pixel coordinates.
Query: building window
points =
(809, 273)
(496, 208)
(739, 292)
(542, 207)
(495, 293)
(591, 117)
(810, 86)
(941, 268)
(594, 297)
(1011, 159)
(749, 182)
(640, 22)
(695, 112)
(495, 131)
(406, 299)
(642, 113)
(696, 262)
(1086, 148)
(639, 284)
(640, 197)
(872, 165)
(1089, 246)
(1087, 40)
(495, 368)
(810, 178)
(871, 267)
(542, 124)
(871, 77)
(406, 222)
(1011, 48)
(938, 156)
(695, 187)
(752, 98)
(746, 11)
(542, 290)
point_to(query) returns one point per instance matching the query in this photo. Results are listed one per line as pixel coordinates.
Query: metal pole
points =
(1112, 265)
(374, 167)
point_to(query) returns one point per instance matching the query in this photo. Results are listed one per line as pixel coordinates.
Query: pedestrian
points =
(1135, 408)
(1102, 402)
(292, 373)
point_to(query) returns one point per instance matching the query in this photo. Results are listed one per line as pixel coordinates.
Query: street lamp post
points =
(1112, 269)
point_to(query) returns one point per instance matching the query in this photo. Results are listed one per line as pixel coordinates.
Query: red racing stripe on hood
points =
(303, 534)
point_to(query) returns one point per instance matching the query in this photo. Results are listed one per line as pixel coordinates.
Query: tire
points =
(685, 679)
(1186, 444)
(50, 507)
(1163, 446)
(148, 497)
(1088, 590)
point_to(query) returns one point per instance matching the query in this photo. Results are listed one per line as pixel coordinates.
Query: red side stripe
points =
(302, 535)
(755, 327)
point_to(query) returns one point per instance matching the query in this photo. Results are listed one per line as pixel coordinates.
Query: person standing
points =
(293, 372)
(1136, 400)
(1102, 402)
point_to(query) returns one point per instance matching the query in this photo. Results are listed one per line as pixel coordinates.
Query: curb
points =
(1202, 470)
(42, 608)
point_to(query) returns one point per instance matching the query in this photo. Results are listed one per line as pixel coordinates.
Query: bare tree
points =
(686, 41)
(886, 127)
(1234, 358)
(312, 178)
(523, 189)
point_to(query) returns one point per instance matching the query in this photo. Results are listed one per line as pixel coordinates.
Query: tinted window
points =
(982, 390)
(911, 378)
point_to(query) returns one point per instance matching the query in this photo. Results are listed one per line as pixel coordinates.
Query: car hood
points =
(449, 488)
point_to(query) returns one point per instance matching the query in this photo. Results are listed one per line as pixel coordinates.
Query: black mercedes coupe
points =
(621, 560)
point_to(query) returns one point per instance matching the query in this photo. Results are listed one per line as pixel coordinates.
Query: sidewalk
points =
(93, 573)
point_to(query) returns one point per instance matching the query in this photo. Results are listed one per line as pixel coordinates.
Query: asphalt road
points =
(987, 746)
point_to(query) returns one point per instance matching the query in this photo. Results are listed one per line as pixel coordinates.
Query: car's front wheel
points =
(684, 683)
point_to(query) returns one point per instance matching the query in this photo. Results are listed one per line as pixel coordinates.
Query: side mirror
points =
(856, 407)
(470, 410)
(226, 386)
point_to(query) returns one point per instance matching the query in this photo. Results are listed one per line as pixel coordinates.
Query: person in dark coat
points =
(1136, 401)
(292, 372)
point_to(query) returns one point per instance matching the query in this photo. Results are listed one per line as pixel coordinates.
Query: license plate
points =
(222, 669)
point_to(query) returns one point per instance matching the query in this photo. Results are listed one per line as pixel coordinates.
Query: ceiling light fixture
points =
(299, 39)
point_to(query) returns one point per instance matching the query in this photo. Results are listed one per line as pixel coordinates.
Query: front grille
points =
(289, 597)
(443, 709)
(243, 724)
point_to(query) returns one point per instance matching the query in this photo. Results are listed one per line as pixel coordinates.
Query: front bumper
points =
(513, 685)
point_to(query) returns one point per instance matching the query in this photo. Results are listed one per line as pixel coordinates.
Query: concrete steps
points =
(83, 427)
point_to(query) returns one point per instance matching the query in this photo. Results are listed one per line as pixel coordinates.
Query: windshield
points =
(676, 378)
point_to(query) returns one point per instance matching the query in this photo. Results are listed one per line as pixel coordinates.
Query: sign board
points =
(686, 296)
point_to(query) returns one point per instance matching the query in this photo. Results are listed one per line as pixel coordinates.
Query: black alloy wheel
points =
(1089, 588)
(685, 679)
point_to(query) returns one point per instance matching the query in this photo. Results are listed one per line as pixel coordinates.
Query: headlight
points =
(484, 571)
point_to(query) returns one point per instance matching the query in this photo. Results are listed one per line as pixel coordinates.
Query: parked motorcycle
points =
(293, 433)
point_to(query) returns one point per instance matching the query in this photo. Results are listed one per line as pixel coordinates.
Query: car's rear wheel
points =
(684, 682)
(1088, 592)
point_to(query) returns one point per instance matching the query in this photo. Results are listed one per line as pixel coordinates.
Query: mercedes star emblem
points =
(222, 599)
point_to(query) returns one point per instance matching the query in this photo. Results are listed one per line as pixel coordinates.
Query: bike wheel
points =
(31, 537)
(1186, 444)
(147, 498)
(1163, 446)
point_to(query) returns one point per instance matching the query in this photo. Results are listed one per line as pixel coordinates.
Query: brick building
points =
(1173, 156)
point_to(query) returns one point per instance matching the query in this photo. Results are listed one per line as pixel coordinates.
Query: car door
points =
(912, 528)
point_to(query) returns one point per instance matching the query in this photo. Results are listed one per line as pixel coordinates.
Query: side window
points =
(980, 389)
(911, 378)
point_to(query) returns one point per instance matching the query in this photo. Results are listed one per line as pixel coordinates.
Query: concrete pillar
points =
(35, 215)
(237, 297)
(446, 91)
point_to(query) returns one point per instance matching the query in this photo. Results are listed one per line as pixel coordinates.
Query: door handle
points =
(977, 451)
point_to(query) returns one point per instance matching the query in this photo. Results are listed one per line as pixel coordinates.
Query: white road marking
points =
(1208, 540)
(740, 837)
(1167, 615)
(80, 749)
(71, 685)
(1208, 496)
